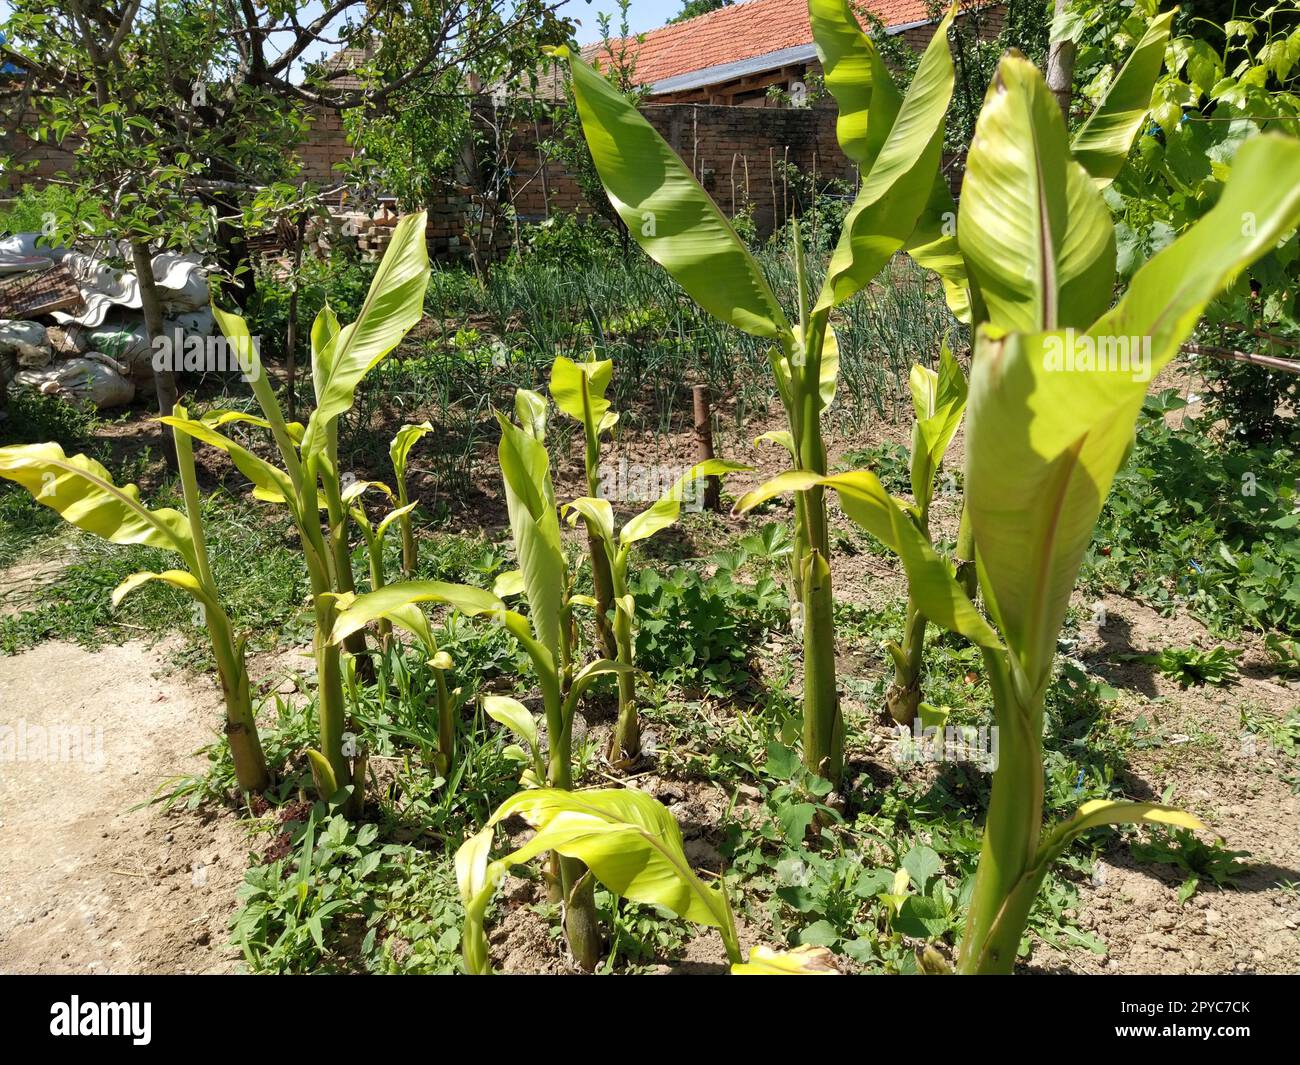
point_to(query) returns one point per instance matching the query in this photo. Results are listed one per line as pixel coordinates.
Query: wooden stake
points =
(704, 444)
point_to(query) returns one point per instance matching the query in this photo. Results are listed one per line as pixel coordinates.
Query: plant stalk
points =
(1005, 881)
(241, 723)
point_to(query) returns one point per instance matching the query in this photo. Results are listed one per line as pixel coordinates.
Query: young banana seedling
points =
(82, 492)
(546, 634)
(374, 535)
(616, 547)
(680, 227)
(578, 389)
(939, 400)
(633, 846)
(309, 479)
(399, 451)
(1050, 418)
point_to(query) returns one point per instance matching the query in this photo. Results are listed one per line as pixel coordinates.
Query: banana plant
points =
(681, 228)
(82, 492)
(308, 479)
(616, 549)
(939, 399)
(633, 846)
(1050, 418)
(399, 450)
(374, 535)
(578, 390)
(1100, 146)
(546, 634)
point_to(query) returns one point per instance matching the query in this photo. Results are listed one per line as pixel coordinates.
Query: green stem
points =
(446, 723)
(582, 931)
(904, 694)
(331, 710)
(625, 745)
(1004, 891)
(823, 725)
(967, 575)
(410, 555)
(375, 555)
(602, 582)
(241, 723)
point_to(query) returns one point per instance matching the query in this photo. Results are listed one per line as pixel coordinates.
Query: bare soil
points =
(91, 881)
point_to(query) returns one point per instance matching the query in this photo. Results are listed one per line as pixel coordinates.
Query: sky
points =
(642, 15)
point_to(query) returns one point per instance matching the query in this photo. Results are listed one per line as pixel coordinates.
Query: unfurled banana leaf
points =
(82, 492)
(668, 508)
(1036, 235)
(177, 578)
(578, 389)
(270, 483)
(898, 184)
(394, 303)
(865, 94)
(866, 502)
(668, 213)
(799, 961)
(1051, 415)
(868, 102)
(598, 514)
(1102, 143)
(626, 838)
(390, 601)
(287, 438)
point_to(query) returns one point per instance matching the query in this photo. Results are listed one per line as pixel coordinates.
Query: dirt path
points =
(86, 883)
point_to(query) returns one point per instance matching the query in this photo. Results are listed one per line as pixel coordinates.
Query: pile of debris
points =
(71, 325)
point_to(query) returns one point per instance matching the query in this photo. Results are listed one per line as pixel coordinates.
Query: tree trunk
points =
(1060, 68)
(164, 378)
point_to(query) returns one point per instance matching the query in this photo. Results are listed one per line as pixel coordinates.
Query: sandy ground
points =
(87, 883)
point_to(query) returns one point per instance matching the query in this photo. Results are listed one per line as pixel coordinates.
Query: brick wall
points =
(736, 153)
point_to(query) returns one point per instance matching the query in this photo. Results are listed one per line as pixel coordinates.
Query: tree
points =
(185, 115)
(616, 60)
(693, 8)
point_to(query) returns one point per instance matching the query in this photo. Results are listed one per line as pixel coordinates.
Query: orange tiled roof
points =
(746, 31)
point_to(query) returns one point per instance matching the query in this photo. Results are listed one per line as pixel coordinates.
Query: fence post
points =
(704, 444)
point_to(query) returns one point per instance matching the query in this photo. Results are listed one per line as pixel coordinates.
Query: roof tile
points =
(745, 31)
